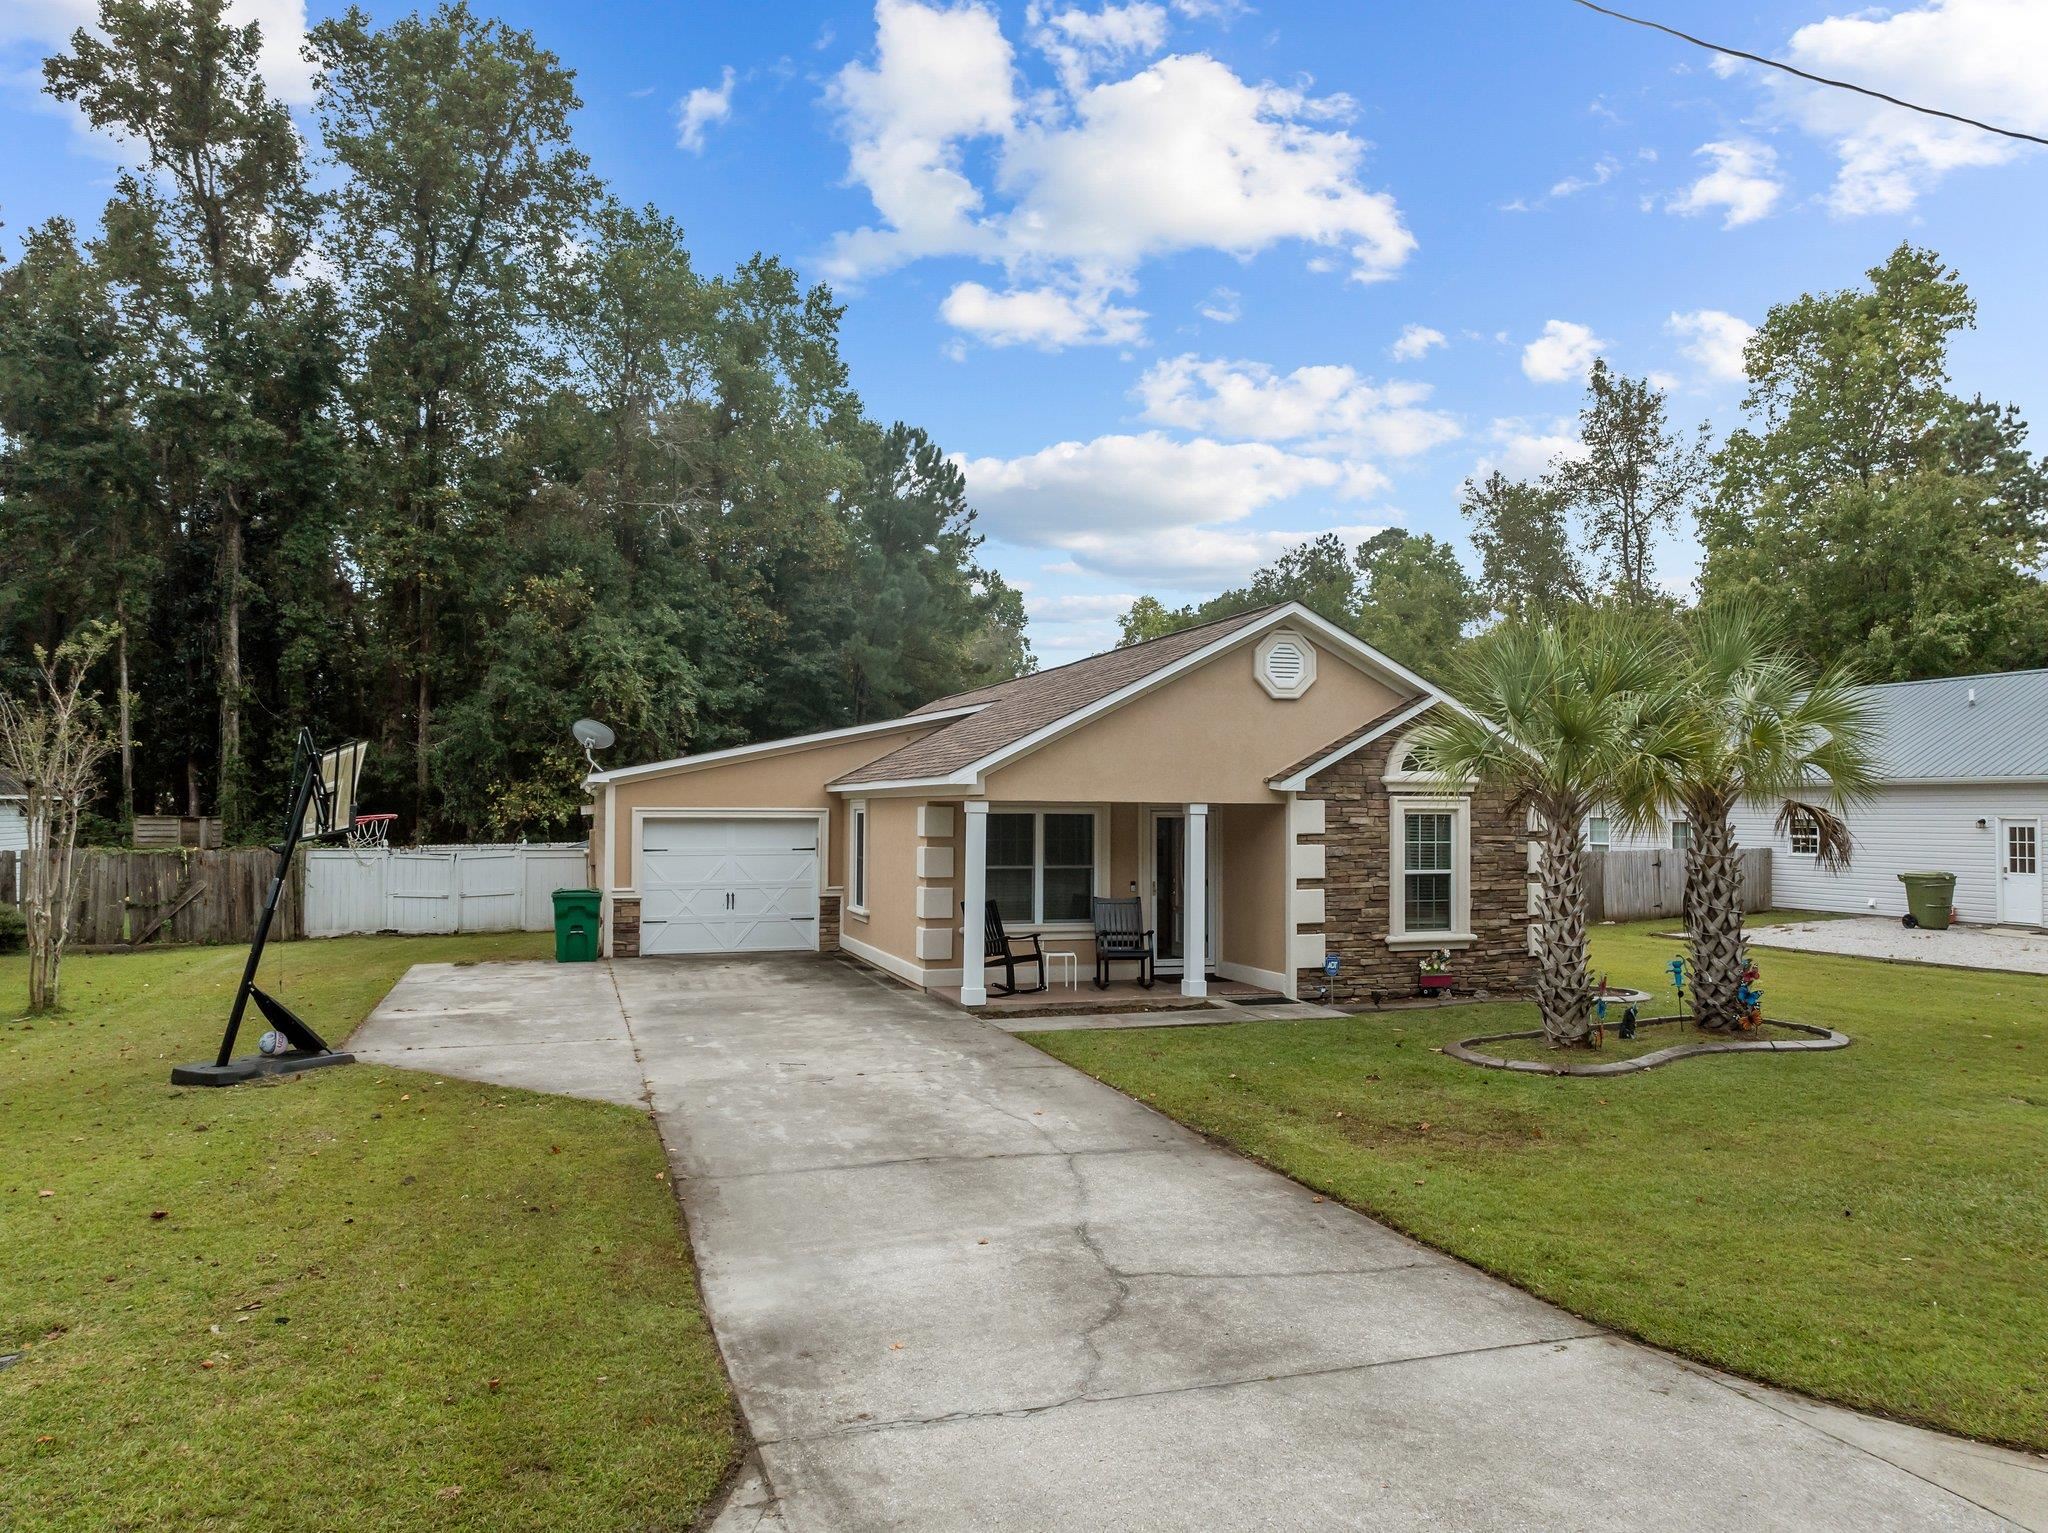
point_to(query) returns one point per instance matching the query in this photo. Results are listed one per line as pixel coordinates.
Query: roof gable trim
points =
(1344, 645)
(777, 747)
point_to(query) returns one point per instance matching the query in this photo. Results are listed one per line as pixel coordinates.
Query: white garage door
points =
(742, 885)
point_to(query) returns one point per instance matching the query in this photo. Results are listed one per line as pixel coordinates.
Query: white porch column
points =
(974, 899)
(1194, 977)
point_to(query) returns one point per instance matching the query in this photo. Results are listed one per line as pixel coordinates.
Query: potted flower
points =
(1435, 967)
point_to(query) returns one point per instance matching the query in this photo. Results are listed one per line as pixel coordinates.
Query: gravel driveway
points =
(2011, 949)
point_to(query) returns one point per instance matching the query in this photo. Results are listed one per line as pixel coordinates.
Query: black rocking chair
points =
(1119, 940)
(997, 950)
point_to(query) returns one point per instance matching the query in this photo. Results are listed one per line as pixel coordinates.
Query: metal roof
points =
(1990, 728)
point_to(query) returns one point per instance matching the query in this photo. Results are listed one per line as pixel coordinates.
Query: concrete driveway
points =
(961, 1286)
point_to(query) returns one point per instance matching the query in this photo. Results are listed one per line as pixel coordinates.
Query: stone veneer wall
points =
(828, 923)
(1358, 869)
(625, 928)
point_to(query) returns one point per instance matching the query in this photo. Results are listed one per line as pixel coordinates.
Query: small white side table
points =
(1063, 965)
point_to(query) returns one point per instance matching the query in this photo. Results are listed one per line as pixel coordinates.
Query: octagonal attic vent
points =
(1286, 664)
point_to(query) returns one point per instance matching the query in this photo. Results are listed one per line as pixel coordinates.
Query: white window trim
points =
(1607, 844)
(1460, 933)
(1397, 776)
(1676, 826)
(859, 854)
(1806, 828)
(1100, 881)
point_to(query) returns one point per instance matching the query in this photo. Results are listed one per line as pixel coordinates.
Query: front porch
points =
(1060, 999)
(1213, 884)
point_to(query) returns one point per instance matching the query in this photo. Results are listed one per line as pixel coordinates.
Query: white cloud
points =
(1980, 57)
(940, 77)
(1743, 183)
(1090, 183)
(1526, 449)
(1203, 559)
(699, 111)
(1046, 317)
(1602, 172)
(1714, 340)
(1081, 43)
(1324, 409)
(1562, 353)
(283, 22)
(1221, 306)
(1415, 342)
(1116, 501)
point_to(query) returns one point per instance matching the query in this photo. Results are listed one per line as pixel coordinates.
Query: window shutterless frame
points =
(857, 858)
(1044, 865)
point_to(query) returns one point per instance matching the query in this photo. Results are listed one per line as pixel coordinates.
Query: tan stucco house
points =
(1259, 760)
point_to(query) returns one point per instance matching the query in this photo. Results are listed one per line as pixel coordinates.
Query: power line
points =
(1861, 90)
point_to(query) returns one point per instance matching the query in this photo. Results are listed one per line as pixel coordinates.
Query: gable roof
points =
(1296, 777)
(1016, 716)
(932, 716)
(1989, 728)
(1013, 710)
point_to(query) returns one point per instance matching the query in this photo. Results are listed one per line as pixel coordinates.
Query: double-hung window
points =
(1428, 839)
(857, 860)
(1681, 835)
(1805, 836)
(1599, 832)
(1041, 865)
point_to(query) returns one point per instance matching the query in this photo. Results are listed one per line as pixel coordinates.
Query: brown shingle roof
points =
(1017, 708)
(1361, 732)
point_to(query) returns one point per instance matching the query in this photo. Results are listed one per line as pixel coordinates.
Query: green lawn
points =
(365, 1298)
(1866, 1225)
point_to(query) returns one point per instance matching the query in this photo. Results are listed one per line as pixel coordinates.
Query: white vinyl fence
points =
(439, 889)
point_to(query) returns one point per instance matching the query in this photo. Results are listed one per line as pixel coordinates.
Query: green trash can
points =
(576, 921)
(1929, 899)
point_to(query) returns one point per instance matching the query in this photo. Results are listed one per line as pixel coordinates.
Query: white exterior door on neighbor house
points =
(2019, 872)
(743, 884)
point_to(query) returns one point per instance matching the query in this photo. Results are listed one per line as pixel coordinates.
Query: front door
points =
(2019, 872)
(1166, 849)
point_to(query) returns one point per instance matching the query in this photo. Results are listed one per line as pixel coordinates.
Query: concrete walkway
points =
(2011, 949)
(961, 1286)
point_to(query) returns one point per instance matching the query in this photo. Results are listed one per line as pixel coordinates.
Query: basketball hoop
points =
(371, 831)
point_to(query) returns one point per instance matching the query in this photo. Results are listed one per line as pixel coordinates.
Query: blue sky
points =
(1147, 269)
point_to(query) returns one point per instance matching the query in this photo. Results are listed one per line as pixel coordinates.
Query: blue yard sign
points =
(1330, 965)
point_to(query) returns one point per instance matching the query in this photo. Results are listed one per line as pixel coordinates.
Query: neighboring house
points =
(1605, 832)
(1260, 760)
(1962, 768)
(13, 814)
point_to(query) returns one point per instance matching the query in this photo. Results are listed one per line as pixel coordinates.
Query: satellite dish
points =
(592, 736)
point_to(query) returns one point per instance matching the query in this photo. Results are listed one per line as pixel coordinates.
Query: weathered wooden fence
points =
(135, 897)
(188, 895)
(1641, 885)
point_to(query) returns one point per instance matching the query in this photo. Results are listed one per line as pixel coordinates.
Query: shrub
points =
(13, 929)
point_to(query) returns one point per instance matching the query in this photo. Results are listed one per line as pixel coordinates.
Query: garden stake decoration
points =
(1751, 999)
(1628, 1023)
(1677, 968)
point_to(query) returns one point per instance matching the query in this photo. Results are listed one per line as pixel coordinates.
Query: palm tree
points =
(1553, 716)
(1741, 716)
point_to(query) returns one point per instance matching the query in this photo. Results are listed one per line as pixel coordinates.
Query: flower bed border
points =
(1822, 1038)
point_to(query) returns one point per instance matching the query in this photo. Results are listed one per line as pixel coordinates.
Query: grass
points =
(1864, 1225)
(364, 1298)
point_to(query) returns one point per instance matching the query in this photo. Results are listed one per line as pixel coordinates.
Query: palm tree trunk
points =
(1713, 898)
(1564, 985)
